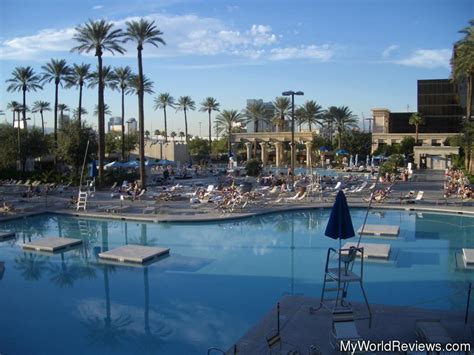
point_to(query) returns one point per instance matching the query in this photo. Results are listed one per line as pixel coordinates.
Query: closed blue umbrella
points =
(93, 169)
(340, 221)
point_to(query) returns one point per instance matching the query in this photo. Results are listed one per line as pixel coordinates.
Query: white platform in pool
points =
(468, 256)
(372, 250)
(134, 253)
(380, 229)
(6, 235)
(52, 244)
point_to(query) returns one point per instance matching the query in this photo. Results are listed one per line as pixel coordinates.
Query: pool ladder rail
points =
(338, 279)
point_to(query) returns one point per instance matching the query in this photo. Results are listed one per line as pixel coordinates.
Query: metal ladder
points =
(81, 200)
(338, 280)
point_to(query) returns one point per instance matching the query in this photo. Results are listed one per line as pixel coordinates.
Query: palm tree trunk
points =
(229, 146)
(186, 131)
(80, 105)
(42, 121)
(210, 140)
(55, 123)
(19, 142)
(166, 127)
(101, 119)
(123, 124)
(141, 119)
(24, 108)
(416, 134)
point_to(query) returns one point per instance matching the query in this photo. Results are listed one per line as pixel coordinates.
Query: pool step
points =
(52, 244)
(138, 254)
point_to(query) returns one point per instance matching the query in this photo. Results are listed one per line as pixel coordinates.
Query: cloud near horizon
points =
(185, 35)
(427, 58)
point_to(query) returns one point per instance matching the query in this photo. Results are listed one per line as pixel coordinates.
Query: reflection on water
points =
(218, 280)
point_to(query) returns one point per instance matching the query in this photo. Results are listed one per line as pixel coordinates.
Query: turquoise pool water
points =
(219, 279)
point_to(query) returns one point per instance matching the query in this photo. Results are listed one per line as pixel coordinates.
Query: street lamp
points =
(293, 150)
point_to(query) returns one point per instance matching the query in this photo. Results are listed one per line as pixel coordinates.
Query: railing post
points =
(468, 302)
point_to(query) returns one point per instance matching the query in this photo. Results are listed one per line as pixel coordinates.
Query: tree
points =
(9, 151)
(62, 108)
(256, 112)
(328, 124)
(134, 85)
(15, 107)
(181, 135)
(313, 113)
(99, 36)
(208, 105)
(416, 120)
(157, 132)
(406, 145)
(142, 32)
(462, 64)
(228, 120)
(162, 101)
(185, 103)
(198, 147)
(123, 75)
(147, 134)
(343, 119)
(80, 75)
(24, 79)
(41, 106)
(282, 109)
(72, 140)
(106, 110)
(357, 142)
(75, 113)
(173, 134)
(300, 117)
(35, 145)
(58, 72)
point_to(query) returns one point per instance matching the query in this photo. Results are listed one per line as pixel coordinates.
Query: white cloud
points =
(97, 7)
(427, 58)
(185, 35)
(388, 51)
(322, 53)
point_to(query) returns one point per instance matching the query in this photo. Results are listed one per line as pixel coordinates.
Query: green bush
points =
(253, 168)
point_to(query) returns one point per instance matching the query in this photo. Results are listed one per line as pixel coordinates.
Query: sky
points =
(363, 54)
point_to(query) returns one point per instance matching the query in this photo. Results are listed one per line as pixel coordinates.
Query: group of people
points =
(457, 184)
(130, 190)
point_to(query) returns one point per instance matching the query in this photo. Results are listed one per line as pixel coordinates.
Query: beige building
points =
(175, 151)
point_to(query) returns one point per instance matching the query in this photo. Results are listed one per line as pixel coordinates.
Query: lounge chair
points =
(432, 331)
(107, 208)
(150, 209)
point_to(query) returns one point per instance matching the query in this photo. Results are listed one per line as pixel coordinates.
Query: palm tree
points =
(56, 71)
(462, 64)
(313, 113)
(300, 116)
(181, 135)
(162, 101)
(80, 75)
(329, 121)
(157, 132)
(282, 107)
(123, 75)
(134, 85)
(107, 110)
(24, 79)
(416, 120)
(142, 32)
(256, 112)
(147, 134)
(208, 105)
(41, 106)
(62, 108)
(99, 36)
(227, 121)
(173, 134)
(75, 113)
(14, 107)
(344, 119)
(185, 103)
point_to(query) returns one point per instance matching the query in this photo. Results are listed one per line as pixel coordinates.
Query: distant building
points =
(132, 125)
(115, 125)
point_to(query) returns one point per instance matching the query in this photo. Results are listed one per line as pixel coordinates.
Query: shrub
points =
(253, 168)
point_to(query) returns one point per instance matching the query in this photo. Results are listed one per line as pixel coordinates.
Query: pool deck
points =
(300, 329)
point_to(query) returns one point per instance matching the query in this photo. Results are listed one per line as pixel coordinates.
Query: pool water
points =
(218, 281)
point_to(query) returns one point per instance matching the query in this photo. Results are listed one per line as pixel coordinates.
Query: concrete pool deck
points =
(301, 329)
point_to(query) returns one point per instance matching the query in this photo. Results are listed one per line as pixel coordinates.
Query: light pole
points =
(200, 129)
(293, 150)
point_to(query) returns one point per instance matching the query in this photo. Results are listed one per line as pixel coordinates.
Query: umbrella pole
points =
(368, 209)
(83, 165)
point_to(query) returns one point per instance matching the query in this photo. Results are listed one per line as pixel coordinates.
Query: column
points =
(308, 145)
(263, 147)
(278, 151)
(248, 145)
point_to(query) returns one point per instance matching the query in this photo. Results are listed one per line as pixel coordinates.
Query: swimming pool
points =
(219, 279)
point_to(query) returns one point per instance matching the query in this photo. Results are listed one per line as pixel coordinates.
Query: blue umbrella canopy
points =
(93, 169)
(340, 222)
(166, 162)
(114, 164)
(341, 152)
(323, 149)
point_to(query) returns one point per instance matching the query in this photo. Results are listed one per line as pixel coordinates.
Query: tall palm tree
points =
(329, 121)
(56, 71)
(462, 64)
(14, 107)
(75, 112)
(282, 107)
(256, 112)
(185, 103)
(208, 105)
(416, 120)
(164, 100)
(227, 121)
(344, 119)
(62, 108)
(300, 117)
(134, 85)
(106, 110)
(24, 79)
(41, 106)
(80, 75)
(97, 37)
(173, 135)
(123, 75)
(313, 113)
(142, 32)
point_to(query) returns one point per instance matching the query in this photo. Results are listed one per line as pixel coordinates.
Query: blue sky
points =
(359, 53)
